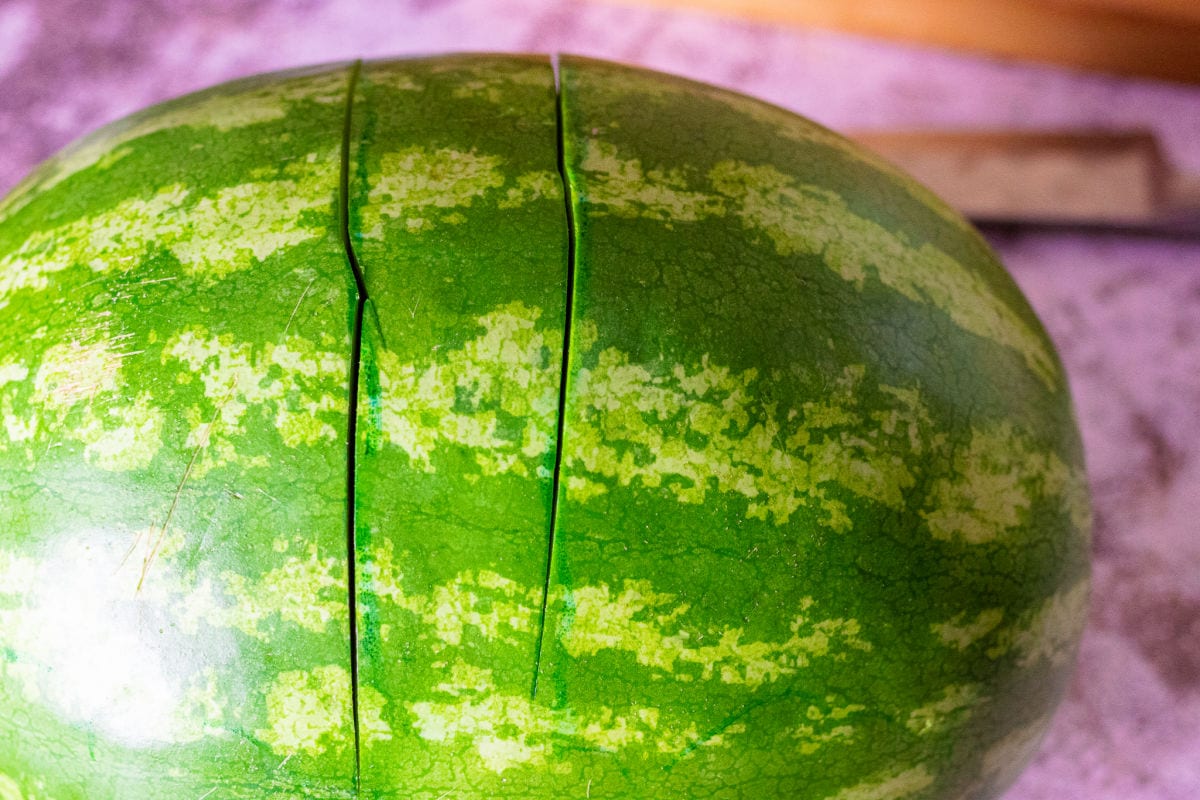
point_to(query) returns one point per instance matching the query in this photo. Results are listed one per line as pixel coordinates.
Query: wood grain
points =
(1147, 38)
(1180, 10)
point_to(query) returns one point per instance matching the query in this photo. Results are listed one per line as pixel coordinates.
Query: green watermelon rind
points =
(817, 525)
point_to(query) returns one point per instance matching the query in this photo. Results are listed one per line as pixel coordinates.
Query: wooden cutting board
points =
(1096, 180)
(1148, 38)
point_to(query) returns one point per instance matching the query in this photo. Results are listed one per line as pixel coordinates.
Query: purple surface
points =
(1125, 311)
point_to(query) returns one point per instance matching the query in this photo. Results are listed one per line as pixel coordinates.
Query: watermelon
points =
(505, 427)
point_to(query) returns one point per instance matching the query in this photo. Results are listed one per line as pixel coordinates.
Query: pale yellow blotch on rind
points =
(120, 438)
(531, 186)
(76, 371)
(1070, 485)
(12, 372)
(629, 190)
(1048, 633)
(489, 722)
(894, 787)
(372, 727)
(779, 467)
(492, 605)
(649, 626)
(77, 394)
(503, 368)
(465, 678)
(498, 87)
(581, 490)
(18, 429)
(303, 591)
(508, 731)
(996, 479)
(825, 725)
(584, 335)
(809, 219)
(414, 183)
(811, 740)
(955, 704)
(961, 634)
(305, 396)
(110, 240)
(10, 789)
(245, 224)
(1051, 633)
(212, 237)
(308, 712)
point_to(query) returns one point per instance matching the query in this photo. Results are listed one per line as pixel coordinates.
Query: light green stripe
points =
(806, 219)
(212, 236)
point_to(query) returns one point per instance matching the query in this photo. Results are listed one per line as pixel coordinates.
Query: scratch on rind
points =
(156, 544)
(87, 383)
(303, 295)
(206, 794)
(267, 494)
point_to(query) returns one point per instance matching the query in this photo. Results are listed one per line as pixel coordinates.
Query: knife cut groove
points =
(568, 201)
(352, 424)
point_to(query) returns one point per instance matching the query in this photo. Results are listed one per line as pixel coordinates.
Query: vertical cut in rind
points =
(809, 423)
(174, 322)
(457, 217)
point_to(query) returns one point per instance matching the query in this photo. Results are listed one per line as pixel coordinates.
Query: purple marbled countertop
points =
(1124, 310)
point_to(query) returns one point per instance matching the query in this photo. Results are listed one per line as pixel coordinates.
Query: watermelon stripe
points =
(226, 108)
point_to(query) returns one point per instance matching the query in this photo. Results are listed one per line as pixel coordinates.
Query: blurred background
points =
(1120, 296)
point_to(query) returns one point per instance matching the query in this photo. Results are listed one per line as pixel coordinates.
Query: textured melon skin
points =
(821, 526)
